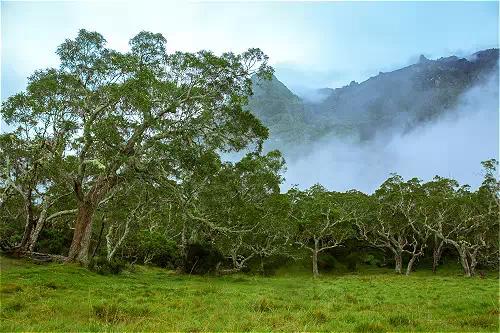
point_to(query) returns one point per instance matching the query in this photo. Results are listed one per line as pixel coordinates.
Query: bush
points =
(54, 240)
(327, 262)
(102, 266)
(202, 259)
(352, 261)
(373, 260)
(157, 248)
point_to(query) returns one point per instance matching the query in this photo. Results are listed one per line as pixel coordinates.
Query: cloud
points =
(452, 146)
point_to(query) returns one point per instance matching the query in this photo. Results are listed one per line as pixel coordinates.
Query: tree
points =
(488, 196)
(29, 175)
(467, 232)
(324, 220)
(399, 225)
(387, 230)
(438, 209)
(238, 206)
(473, 228)
(129, 207)
(113, 111)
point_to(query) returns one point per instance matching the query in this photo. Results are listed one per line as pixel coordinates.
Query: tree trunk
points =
(36, 232)
(315, 258)
(184, 245)
(79, 249)
(398, 258)
(473, 262)
(436, 256)
(26, 241)
(38, 226)
(410, 264)
(96, 248)
(262, 265)
(464, 262)
(30, 223)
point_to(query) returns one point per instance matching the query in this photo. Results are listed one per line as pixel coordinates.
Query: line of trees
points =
(118, 155)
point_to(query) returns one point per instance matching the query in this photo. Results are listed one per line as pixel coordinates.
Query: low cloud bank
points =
(451, 146)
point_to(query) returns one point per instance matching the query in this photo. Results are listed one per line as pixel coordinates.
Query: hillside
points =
(399, 100)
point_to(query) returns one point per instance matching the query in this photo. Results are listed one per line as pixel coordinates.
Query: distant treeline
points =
(115, 157)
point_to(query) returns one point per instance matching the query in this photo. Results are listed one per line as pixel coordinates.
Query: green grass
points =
(60, 297)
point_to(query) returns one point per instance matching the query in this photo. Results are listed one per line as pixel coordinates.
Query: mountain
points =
(402, 100)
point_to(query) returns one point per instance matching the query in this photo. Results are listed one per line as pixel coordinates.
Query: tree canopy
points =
(123, 156)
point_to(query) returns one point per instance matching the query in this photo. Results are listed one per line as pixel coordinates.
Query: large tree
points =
(113, 112)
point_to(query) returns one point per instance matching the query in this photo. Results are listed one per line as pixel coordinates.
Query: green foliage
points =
(115, 117)
(201, 259)
(132, 142)
(161, 251)
(102, 266)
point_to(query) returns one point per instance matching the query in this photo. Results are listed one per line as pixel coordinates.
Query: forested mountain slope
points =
(400, 100)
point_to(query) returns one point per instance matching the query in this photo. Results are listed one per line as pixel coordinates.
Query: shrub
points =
(327, 262)
(162, 252)
(352, 261)
(201, 259)
(102, 266)
(54, 240)
(372, 260)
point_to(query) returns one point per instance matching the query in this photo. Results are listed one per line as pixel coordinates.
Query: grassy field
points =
(59, 297)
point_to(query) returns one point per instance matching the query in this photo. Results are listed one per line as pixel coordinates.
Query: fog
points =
(451, 146)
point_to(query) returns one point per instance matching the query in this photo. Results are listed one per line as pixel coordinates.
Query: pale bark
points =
(315, 252)
(398, 258)
(112, 249)
(473, 262)
(238, 264)
(33, 237)
(96, 248)
(464, 262)
(462, 253)
(436, 255)
(184, 245)
(30, 221)
(36, 225)
(410, 264)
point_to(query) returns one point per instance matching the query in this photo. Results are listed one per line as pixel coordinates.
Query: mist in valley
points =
(453, 145)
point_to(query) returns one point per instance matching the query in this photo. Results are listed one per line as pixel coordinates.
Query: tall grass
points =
(59, 297)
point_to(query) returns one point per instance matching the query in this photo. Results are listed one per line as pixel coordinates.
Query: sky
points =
(311, 44)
